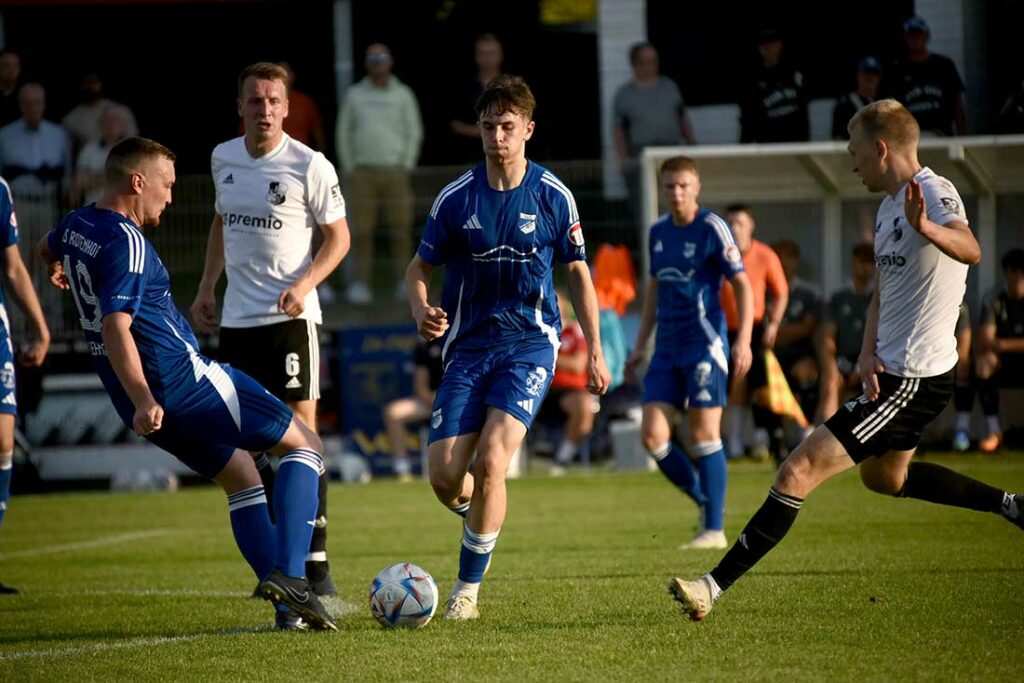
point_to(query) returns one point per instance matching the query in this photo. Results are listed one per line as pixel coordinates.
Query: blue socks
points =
(254, 533)
(677, 466)
(6, 468)
(295, 505)
(475, 554)
(711, 464)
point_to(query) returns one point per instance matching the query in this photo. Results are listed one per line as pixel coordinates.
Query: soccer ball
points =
(403, 595)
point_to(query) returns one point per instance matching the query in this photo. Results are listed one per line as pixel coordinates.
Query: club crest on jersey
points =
(689, 249)
(576, 234)
(732, 254)
(275, 193)
(7, 375)
(528, 227)
(535, 381)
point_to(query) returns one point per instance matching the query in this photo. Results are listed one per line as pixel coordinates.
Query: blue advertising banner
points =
(376, 367)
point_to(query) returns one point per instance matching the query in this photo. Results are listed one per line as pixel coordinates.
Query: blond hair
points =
(890, 121)
(265, 71)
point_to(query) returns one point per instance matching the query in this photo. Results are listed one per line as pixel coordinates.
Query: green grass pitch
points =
(150, 586)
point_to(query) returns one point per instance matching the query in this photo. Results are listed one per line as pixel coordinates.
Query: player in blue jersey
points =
(18, 282)
(497, 229)
(207, 415)
(691, 250)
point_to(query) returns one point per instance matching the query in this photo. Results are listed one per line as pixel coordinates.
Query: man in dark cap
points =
(774, 108)
(928, 84)
(869, 75)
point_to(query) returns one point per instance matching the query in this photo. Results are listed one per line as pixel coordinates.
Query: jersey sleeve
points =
(8, 221)
(121, 270)
(435, 244)
(943, 202)
(215, 166)
(569, 243)
(324, 191)
(730, 260)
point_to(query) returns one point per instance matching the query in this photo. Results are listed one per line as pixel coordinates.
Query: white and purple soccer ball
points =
(403, 595)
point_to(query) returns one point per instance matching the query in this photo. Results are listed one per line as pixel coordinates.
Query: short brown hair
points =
(864, 252)
(890, 121)
(507, 94)
(128, 155)
(265, 71)
(680, 163)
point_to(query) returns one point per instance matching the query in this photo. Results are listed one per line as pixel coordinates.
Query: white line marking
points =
(86, 545)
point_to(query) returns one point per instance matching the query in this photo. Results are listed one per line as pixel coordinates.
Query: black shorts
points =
(283, 357)
(895, 421)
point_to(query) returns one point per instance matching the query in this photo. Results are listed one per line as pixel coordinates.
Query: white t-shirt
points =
(270, 207)
(920, 288)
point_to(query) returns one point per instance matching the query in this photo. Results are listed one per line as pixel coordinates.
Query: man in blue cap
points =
(928, 84)
(869, 75)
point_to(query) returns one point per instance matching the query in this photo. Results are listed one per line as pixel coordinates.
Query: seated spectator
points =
(999, 359)
(402, 413)
(843, 332)
(87, 182)
(774, 108)
(569, 388)
(83, 122)
(869, 75)
(963, 389)
(795, 341)
(928, 84)
(1010, 119)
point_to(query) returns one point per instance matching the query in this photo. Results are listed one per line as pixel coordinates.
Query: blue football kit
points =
(691, 354)
(498, 248)
(8, 236)
(209, 409)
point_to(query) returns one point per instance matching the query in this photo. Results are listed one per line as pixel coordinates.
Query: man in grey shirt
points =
(648, 111)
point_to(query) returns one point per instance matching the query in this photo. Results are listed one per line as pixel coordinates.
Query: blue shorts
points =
(514, 379)
(8, 397)
(225, 411)
(684, 379)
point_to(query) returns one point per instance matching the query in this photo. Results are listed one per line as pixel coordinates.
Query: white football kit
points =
(270, 207)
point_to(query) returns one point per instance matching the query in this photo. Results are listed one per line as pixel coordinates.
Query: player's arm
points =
(204, 307)
(336, 244)
(431, 321)
(868, 363)
(647, 316)
(20, 286)
(686, 128)
(954, 239)
(54, 268)
(584, 302)
(989, 340)
(124, 358)
(779, 288)
(741, 354)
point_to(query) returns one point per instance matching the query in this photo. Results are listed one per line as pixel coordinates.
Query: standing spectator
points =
(304, 122)
(569, 388)
(1000, 353)
(647, 111)
(794, 344)
(489, 55)
(775, 106)
(10, 74)
(379, 136)
(83, 122)
(843, 331)
(92, 158)
(869, 75)
(928, 84)
(404, 412)
(764, 270)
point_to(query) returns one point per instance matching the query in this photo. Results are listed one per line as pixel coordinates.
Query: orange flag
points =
(780, 397)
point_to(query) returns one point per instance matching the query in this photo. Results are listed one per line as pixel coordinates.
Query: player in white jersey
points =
(273, 193)
(923, 247)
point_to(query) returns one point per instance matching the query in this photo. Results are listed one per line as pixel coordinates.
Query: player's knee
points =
(654, 441)
(446, 485)
(795, 473)
(490, 468)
